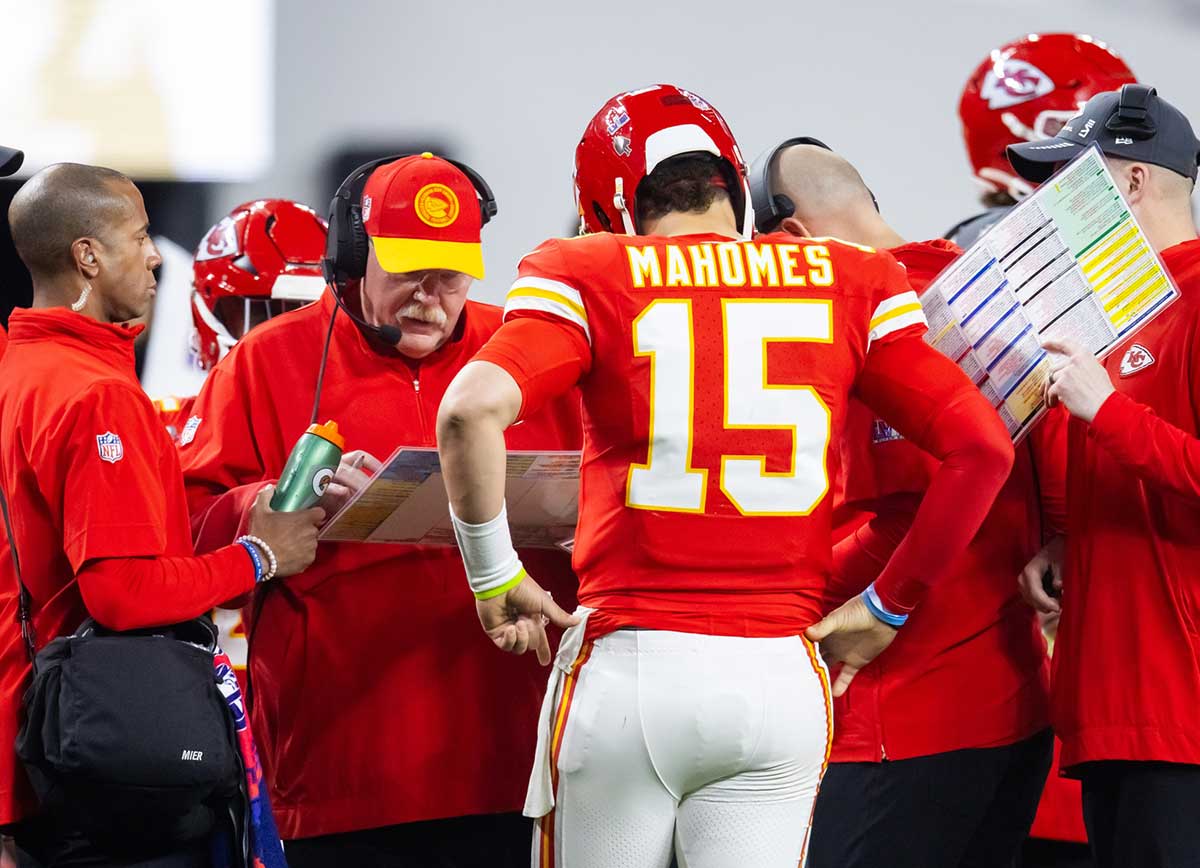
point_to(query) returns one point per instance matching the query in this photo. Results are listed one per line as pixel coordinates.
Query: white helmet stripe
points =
(225, 340)
(298, 287)
(673, 141)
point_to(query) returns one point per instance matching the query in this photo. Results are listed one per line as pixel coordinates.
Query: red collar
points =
(1183, 260)
(113, 343)
(937, 247)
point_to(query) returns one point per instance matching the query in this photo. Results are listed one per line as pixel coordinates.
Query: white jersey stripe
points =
(894, 324)
(546, 303)
(888, 305)
(565, 290)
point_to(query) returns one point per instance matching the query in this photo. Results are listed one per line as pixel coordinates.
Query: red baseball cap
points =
(422, 212)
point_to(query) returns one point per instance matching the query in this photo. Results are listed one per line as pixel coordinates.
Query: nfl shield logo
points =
(882, 432)
(110, 448)
(189, 430)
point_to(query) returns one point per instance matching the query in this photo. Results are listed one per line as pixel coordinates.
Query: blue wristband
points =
(876, 607)
(252, 549)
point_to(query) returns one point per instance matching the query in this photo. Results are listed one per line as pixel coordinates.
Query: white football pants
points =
(653, 741)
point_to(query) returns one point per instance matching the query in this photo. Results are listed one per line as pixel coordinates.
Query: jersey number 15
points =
(664, 331)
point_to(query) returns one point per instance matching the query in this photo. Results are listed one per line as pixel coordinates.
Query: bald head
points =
(61, 204)
(826, 189)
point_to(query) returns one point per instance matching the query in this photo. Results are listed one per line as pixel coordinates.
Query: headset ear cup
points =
(487, 199)
(330, 263)
(784, 207)
(487, 205)
(357, 244)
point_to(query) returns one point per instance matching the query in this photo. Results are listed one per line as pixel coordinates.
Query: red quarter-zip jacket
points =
(376, 698)
(97, 503)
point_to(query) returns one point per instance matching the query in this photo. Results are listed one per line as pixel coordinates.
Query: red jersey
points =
(871, 466)
(91, 478)
(718, 374)
(1126, 669)
(969, 670)
(3, 341)
(376, 698)
(922, 261)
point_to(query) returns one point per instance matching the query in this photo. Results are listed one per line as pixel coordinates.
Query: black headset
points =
(1132, 117)
(347, 246)
(771, 208)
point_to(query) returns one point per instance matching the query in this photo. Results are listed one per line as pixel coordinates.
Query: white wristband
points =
(488, 555)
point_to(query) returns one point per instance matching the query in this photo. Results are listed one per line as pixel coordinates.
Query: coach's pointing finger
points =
(1078, 380)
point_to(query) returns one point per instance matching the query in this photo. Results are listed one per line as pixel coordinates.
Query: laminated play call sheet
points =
(406, 502)
(1068, 262)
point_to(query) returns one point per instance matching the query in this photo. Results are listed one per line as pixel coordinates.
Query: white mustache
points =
(422, 313)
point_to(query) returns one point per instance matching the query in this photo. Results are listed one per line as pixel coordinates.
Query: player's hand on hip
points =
(292, 536)
(353, 473)
(1032, 580)
(851, 635)
(516, 620)
(1077, 380)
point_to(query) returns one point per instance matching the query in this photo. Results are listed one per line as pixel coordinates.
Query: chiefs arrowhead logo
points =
(1011, 82)
(221, 241)
(1136, 359)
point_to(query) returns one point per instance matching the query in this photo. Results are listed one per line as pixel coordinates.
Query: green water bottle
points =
(309, 469)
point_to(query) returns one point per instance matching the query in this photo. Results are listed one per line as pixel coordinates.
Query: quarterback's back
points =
(719, 373)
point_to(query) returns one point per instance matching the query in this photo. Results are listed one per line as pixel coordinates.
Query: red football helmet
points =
(631, 134)
(260, 260)
(1026, 91)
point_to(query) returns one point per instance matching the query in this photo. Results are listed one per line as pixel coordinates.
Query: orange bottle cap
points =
(329, 431)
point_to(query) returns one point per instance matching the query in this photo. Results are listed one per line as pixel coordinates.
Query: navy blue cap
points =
(1133, 123)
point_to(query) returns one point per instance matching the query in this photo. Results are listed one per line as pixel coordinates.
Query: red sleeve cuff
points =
(244, 578)
(1115, 418)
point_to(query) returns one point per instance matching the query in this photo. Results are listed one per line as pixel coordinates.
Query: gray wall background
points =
(511, 85)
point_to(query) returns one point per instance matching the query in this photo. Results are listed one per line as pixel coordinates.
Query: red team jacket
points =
(90, 476)
(1126, 679)
(376, 698)
(713, 386)
(969, 670)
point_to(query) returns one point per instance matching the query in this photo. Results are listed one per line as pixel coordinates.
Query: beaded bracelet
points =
(266, 549)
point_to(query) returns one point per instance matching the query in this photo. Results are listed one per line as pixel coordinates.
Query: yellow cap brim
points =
(397, 255)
